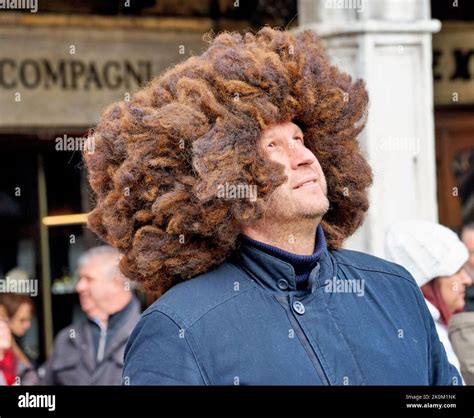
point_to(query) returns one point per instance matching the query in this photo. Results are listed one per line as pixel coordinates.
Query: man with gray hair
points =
(90, 352)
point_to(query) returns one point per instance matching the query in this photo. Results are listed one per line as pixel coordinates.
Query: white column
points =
(388, 44)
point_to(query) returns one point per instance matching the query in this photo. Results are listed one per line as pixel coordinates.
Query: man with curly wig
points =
(229, 183)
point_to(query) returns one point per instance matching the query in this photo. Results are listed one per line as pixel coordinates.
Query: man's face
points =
(95, 288)
(453, 289)
(304, 194)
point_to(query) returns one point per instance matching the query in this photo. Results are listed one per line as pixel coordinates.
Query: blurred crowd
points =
(90, 351)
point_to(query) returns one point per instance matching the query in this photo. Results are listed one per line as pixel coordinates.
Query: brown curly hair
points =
(159, 158)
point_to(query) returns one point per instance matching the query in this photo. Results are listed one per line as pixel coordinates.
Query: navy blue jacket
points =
(360, 321)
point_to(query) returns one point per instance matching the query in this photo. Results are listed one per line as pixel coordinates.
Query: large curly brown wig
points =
(159, 158)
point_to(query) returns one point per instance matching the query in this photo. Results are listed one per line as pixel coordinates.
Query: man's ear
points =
(122, 284)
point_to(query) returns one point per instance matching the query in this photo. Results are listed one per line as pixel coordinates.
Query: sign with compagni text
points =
(62, 76)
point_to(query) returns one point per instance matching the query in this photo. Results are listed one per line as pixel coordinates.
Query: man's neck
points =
(296, 238)
(102, 320)
(120, 303)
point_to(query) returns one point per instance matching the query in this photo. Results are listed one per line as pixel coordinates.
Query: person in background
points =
(8, 363)
(29, 341)
(435, 257)
(467, 236)
(461, 326)
(19, 309)
(91, 352)
(461, 334)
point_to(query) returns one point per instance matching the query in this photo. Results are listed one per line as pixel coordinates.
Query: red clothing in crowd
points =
(8, 366)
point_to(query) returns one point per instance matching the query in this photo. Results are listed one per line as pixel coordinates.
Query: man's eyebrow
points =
(272, 136)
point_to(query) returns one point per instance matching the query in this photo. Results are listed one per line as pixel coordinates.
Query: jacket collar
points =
(127, 323)
(269, 271)
(85, 343)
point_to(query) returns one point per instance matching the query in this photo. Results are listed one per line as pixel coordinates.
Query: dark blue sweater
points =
(303, 264)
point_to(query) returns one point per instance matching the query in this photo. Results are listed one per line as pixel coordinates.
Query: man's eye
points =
(271, 145)
(298, 138)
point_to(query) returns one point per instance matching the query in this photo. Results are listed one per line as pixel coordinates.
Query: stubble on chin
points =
(283, 206)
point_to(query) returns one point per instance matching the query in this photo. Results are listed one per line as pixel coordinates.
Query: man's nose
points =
(80, 286)
(300, 155)
(469, 280)
(466, 278)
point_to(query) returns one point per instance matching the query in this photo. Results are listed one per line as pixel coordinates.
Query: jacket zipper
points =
(305, 342)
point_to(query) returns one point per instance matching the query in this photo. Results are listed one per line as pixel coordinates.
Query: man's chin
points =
(314, 211)
(86, 306)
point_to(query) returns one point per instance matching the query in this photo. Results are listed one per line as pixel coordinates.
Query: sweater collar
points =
(295, 259)
(302, 264)
(271, 271)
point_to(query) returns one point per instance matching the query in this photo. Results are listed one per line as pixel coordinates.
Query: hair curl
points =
(159, 158)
